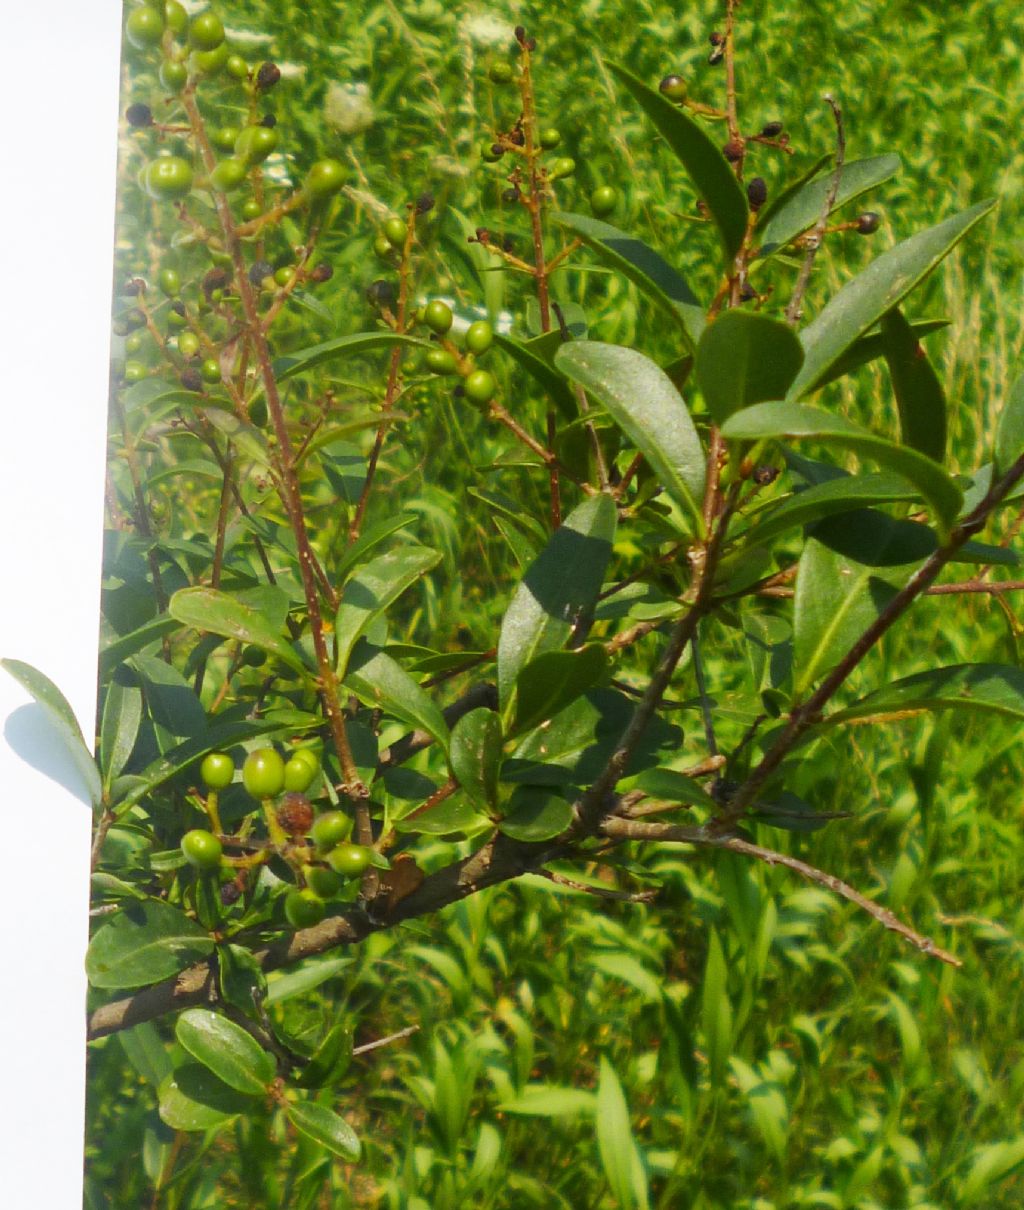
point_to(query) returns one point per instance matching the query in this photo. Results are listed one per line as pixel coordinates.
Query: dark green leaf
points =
(707, 168)
(476, 755)
(193, 1099)
(381, 682)
(233, 1055)
(536, 813)
(784, 195)
(144, 943)
(325, 1128)
(559, 589)
(59, 712)
(219, 612)
(716, 1012)
(869, 348)
(779, 420)
(862, 302)
(371, 592)
(122, 715)
(330, 1060)
(997, 688)
(745, 357)
(803, 209)
(672, 786)
(306, 359)
(120, 649)
(171, 702)
(849, 571)
(644, 267)
(919, 395)
(642, 401)
(550, 681)
(371, 537)
(1010, 429)
(454, 816)
(620, 1157)
(240, 976)
(536, 357)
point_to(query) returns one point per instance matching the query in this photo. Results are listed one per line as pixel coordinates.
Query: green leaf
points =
(371, 537)
(306, 359)
(121, 648)
(220, 613)
(330, 1060)
(58, 710)
(716, 1013)
(372, 590)
(193, 1099)
(642, 401)
(849, 571)
(881, 286)
(144, 943)
(453, 817)
(535, 357)
(122, 715)
(171, 702)
(990, 1163)
(620, 1156)
(996, 688)
(803, 209)
(840, 495)
(310, 975)
(707, 168)
(745, 357)
(644, 267)
(325, 1128)
(536, 813)
(381, 682)
(673, 786)
(476, 755)
(233, 1055)
(919, 395)
(797, 420)
(1010, 429)
(869, 348)
(550, 681)
(558, 590)
(551, 1101)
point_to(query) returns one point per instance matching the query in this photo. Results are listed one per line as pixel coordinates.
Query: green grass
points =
(829, 1065)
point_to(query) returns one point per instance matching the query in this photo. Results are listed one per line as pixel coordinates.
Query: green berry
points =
(133, 342)
(176, 17)
(223, 138)
(479, 336)
(438, 316)
(349, 860)
(440, 361)
(303, 909)
(604, 199)
(299, 773)
(206, 31)
(134, 371)
(173, 75)
(308, 755)
(330, 829)
(251, 209)
(169, 281)
(168, 178)
(500, 72)
(229, 174)
(188, 345)
(549, 138)
(480, 386)
(210, 370)
(217, 770)
(491, 152)
(394, 232)
(674, 87)
(263, 773)
(145, 26)
(255, 143)
(209, 62)
(324, 179)
(382, 247)
(325, 884)
(177, 318)
(202, 849)
(563, 166)
(236, 67)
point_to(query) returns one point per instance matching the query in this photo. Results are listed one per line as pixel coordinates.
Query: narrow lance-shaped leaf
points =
(647, 269)
(640, 398)
(558, 590)
(233, 1055)
(707, 168)
(803, 208)
(59, 712)
(992, 688)
(745, 358)
(373, 589)
(307, 359)
(370, 538)
(919, 395)
(862, 302)
(1010, 429)
(797, 420)
(534, 356)
(122, 715)
(620, 1156)
(221, 613)
(381, 682)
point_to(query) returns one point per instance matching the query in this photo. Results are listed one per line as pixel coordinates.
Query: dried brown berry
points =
(482, 235)
(771, 130)
(424, 203)
(322, 272)
(139, 115)
(267, 76)
(295, 814)
(517, 138)
(191, 379)
(259, 271)
(733, 150)
(868, 222)
(216, 279)
(519, 33)
(511, 195)
(530, 44)
(763, 475)
(757, 193)
(716, 38)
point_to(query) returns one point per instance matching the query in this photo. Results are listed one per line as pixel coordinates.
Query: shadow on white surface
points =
(33, 737)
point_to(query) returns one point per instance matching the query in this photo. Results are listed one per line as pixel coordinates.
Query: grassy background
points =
(858, 1074)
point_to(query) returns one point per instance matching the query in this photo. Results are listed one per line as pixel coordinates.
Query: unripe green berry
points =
(382, 247)
(500, 72)
(438, 316)
(479, 336)
(324, 179)
(206, 31)
(175, 16)
(229, 174)
(223, 138)
(325, 884)
(173, 75)
(303, 909)
(674, 87)
(284, 276)
(299, 773)
(210, 370)
(236, 67)
(176, 317)
(440, 361)
(217, 770)
(263, 773)
(562, 167)
(202, 849)
(550, 137)
(209, 62)
(604, 199)
(169, 281)
(394, 232)
(251, 209)
(168, 178)
(330, 829)
(255, 143)
(133, 342)
(188, 345)
(349, 860)
(134, 371)
(480, 386)
(145, 26)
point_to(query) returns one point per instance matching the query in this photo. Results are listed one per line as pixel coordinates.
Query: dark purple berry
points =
(134, 285)
(322, 272)
(868, 222)
(381, 293)
(757, 193)
(191, 379)
(747, 292)
(424, 203)
(139, 115)
(771, 130)
(230, 893)
(517, 138)
(530, 44)
(178, 307)
(716, 38)
(269, 121)
(216, 279)
(717, 55)
(260, 271)
(511, 195)
(519, 33)
(763, 475)
(267, 76)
